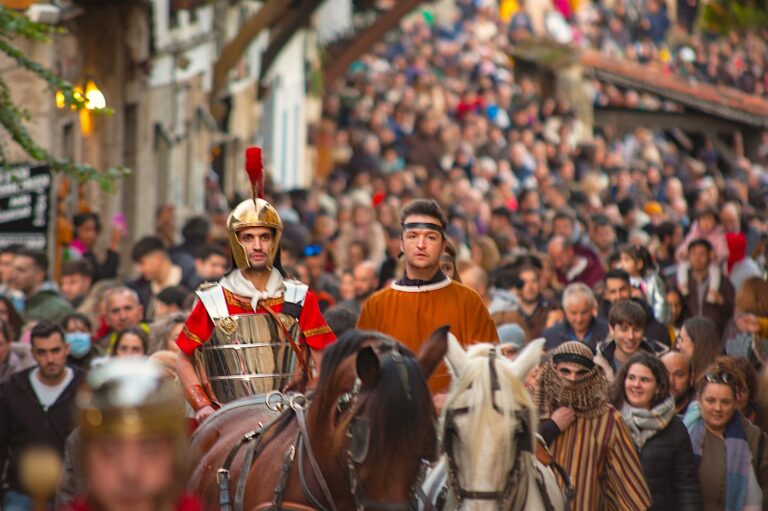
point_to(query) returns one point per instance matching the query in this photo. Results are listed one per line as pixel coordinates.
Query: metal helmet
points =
(130, 398)
(253, 213)
(133, 398)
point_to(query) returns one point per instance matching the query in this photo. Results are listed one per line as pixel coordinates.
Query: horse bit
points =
(358, 435)
(516, 473)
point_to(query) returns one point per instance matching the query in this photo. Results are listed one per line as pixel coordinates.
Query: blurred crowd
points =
(678, 36)
(549, 224)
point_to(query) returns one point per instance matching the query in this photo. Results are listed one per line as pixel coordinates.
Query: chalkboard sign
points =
(24, 206)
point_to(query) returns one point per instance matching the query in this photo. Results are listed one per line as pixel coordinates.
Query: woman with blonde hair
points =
(485, 253)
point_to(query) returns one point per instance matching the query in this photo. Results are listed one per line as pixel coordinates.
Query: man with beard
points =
(366, 282)
(594, 447)
(131, 441)
(680, 374)
(253, 318)
(533, 306)
(36, 407)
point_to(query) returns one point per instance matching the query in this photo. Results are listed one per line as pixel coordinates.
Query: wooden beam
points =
(337, 63)
(296, 19)
(231, 54)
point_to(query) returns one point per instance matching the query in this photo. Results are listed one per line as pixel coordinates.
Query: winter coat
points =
(590, 272)
(670, 469)
(24, 422)
(19, 358)
(606, 352)
(712, 466)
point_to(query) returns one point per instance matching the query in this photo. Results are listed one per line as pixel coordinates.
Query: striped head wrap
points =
(586, 396)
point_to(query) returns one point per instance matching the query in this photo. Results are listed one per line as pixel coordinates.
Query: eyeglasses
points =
(723, 377)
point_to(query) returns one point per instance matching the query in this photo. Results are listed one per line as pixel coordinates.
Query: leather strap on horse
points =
(253, 439)
(301, 419)
(282, 480)
(294, 345)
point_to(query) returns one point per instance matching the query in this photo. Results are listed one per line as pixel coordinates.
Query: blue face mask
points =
(79, 343)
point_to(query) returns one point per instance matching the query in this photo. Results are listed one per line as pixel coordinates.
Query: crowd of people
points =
(677, 37)
(641, 262)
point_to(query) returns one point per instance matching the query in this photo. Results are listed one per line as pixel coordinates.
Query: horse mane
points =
(345, 346)
(400, 415)
(475, 384)
(397, 415)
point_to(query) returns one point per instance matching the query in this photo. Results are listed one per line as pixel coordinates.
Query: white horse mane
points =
(472, 388)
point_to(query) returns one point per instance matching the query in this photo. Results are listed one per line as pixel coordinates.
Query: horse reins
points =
(255, 440)
(516, 478)
(358, 436)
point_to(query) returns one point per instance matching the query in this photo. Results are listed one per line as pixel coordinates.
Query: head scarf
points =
(586, 396)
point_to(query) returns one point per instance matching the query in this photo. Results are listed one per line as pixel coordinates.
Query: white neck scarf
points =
(236, 283)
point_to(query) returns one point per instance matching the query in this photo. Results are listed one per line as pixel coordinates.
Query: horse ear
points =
(368, 368)
(433, 350)
(528, 358)
(456, 356)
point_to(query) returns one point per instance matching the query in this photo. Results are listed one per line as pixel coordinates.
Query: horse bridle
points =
(358, 442)
(516, 475)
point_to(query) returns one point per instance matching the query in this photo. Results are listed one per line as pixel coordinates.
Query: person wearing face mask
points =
(82, 351)
(586, 434)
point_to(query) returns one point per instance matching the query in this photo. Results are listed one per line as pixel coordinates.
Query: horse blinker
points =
(359, 439)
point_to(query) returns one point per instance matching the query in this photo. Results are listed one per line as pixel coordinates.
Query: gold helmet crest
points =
(255, 212)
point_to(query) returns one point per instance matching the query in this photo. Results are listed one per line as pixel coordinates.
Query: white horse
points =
(488, 429)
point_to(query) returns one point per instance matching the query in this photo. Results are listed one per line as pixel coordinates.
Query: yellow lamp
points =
(94, 98)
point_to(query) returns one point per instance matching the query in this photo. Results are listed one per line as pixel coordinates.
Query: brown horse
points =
(370, 425)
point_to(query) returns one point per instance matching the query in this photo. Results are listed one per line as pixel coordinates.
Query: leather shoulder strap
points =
(212, 298)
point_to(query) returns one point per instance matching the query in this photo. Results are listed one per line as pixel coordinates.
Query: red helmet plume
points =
(255, 169)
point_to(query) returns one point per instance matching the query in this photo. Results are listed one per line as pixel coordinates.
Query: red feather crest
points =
(255, 169)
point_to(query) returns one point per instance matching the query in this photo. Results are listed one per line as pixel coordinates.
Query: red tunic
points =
(199, 327)
(185, 503)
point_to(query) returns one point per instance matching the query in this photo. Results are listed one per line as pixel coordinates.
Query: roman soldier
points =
(132, 440)
(253, 329)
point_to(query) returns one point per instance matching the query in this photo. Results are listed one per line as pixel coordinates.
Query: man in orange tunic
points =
(425, 299)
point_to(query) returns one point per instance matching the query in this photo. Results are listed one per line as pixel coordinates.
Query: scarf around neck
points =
(742, 491)
(236, 283)
(644, 424)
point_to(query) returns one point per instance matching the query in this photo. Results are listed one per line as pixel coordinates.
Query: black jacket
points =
(670, 469)
(24, 423)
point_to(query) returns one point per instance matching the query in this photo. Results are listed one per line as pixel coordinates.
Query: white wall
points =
(285, 127)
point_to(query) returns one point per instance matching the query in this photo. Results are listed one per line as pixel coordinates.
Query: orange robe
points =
(411, 313)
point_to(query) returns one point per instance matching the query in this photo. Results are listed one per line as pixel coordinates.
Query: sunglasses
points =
(726, 378)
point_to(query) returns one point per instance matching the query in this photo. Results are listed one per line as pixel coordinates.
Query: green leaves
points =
(12, 116)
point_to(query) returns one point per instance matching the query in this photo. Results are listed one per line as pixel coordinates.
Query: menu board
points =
(25, 193)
